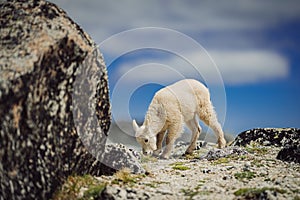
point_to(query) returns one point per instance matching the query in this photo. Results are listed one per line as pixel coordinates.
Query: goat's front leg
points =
(159, 140)
(169, 147)
(172, 136)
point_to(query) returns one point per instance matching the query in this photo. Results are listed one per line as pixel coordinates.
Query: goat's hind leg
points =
(210, 118)
(196, 131)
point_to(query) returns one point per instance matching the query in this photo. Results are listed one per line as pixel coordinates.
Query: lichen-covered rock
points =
(43, 54)
(290, 153)
(288, 138)
(118, 157)
(221, 153)
(269, 136)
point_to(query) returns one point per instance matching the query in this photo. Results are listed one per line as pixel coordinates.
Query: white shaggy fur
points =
(170, 108)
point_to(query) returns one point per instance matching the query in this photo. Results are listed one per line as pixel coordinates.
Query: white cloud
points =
(239, 67)
(236, 67)
(104, 18)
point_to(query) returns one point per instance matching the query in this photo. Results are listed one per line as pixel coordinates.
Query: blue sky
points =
(254, 45)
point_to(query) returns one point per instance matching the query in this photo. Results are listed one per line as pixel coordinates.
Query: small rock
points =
(114, 192)
(247, 166)
(130, 190)
(118, 156)
(206, 171)
(109, 193)
(220, 153)
(165, 192)
(230, 167)
(290, 153)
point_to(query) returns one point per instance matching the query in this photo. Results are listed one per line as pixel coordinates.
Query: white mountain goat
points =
(170, 108)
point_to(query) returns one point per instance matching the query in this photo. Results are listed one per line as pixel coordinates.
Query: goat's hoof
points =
(164, 157)
(222, 145)
(187, 153)
(156, 153)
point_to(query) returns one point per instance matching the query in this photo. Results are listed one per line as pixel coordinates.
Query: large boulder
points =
(42, 113)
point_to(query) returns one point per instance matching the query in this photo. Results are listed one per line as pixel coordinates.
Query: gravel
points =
(232, 174)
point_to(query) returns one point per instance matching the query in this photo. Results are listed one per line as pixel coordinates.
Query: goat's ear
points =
(135, 126)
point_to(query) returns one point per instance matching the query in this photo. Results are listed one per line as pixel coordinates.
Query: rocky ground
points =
(250, 172)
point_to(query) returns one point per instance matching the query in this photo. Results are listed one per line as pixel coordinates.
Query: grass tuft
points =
(73, 186)
(94, 191)
(146, 159)
(126, 177)
(254, 193)
(245, 175)
(221, 161)
(191, 193)
(179, 166)
(255, 148)
(155, 184)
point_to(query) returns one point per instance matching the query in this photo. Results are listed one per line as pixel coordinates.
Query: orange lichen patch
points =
(16, 114)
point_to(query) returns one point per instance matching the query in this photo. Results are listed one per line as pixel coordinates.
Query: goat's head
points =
(145, 138)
